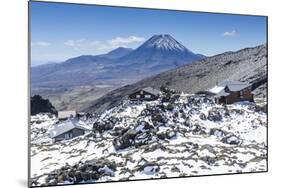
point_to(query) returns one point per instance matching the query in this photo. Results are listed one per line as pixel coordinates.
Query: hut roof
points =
(151, 90)
(230, 84)
(234, 85)
(65, 127)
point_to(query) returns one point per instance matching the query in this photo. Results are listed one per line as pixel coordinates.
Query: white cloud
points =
(83, 44)
(232, 33)
(119, 41)
(40, 43)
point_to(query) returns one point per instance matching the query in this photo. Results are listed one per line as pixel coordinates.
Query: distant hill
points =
(117, 53)
(249, 64)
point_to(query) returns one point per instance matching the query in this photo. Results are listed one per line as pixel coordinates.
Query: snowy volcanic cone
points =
(163, 49)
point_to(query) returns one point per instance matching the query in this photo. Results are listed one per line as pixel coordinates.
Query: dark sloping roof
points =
(234, 85)
(151, 90)
(205, 93)
(64, 127)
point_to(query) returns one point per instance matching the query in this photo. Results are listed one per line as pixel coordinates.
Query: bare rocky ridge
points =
(249, 64)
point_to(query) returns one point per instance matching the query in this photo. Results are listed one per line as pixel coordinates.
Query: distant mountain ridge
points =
(122, 65)
(117, 53)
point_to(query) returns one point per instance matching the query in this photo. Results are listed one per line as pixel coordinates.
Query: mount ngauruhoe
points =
(249, 65)
(158, 53)
(118, 67)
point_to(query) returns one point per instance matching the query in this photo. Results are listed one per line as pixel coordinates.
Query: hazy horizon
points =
(61, 31)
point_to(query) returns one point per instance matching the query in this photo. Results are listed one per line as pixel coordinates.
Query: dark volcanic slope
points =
(249, 64)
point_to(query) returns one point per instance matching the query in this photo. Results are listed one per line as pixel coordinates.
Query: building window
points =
(241, 94)
(68, 136)
(147, 96)
(138, 96)
(141, 92)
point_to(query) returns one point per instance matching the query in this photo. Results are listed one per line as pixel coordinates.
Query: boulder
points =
(237, 111)
(170, 134)
(170, 107)
(158, 118)
(231, 139)
(106, 171)
(217, 132)
(78, 177)
(149, 168)
(143, 139)
(197, 129)
(209, 160)
(161, 135)
(143, 126)
(214, 115)
(175, 169)
(202, 116)
(193, 111)
(86, 176)
(125, 141)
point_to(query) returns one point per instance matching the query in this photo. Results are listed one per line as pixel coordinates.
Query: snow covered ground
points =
(184, 136)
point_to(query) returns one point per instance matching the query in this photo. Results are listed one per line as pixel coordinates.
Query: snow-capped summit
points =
(160, 52)
(164, 42)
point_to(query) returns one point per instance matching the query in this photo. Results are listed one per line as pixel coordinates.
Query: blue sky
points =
(61, 31)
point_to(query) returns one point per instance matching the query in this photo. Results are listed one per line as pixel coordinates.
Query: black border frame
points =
(132, 7)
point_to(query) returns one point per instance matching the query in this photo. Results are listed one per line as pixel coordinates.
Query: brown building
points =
(145, 94)
(66, 130)
(228, 92)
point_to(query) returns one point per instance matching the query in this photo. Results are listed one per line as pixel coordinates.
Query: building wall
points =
(232, 98)
(236, 97)
(247, 94)
(75, 132)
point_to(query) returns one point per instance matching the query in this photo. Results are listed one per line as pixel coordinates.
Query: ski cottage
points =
(145, 94)
(228, 92)
(66, 130)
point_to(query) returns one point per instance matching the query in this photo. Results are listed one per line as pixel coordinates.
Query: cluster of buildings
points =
(225, 92)
(229, 92)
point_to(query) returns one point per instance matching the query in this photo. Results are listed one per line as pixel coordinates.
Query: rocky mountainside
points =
(177, 135)
(122, 65)
(249, 64)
